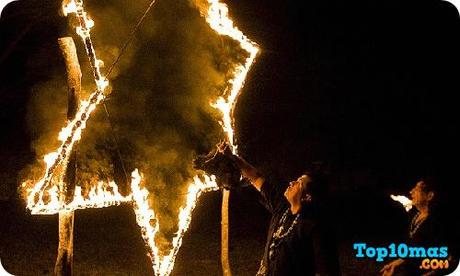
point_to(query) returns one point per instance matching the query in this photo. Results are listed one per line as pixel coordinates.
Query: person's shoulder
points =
(307, 223)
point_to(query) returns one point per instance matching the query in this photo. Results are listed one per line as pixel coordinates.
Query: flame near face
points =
(406, 202)
(43, 196)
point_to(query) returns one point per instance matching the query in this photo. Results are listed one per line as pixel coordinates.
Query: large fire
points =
(71, 133)
(43, 197)
(145, 216)
(217, 17)
(218, 20)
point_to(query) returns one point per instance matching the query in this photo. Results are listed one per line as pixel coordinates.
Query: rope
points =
(123, 48)
(130, 38)
(117, 144)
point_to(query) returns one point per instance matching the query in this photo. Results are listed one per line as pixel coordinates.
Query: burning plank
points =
(72, 132)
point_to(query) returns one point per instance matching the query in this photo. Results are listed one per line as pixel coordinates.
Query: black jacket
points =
(308, 249)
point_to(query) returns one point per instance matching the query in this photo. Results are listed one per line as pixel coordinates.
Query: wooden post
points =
(64, 261)
(224, 258)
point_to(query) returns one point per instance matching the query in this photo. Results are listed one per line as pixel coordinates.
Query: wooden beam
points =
(64, 260)
(224, 257)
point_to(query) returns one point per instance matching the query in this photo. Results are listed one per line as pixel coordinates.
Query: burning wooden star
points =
(43, 198)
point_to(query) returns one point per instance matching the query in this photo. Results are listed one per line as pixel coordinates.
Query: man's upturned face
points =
(419, 196)
(296, 189)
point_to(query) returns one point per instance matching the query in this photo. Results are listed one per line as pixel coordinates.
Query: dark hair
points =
(317, 188)
(430, 184)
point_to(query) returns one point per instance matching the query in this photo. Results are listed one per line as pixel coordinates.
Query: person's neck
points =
(424, 211)
(295, 208)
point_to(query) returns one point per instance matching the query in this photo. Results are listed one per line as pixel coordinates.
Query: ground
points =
(108, 241)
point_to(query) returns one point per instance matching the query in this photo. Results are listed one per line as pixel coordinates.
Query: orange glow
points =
(218, 20)
(43, 197)
(150, 226)
(71, 133)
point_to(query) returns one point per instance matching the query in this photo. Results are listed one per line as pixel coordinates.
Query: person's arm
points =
(272, 195)
(389, 269)
(247, 170)
(250, 172)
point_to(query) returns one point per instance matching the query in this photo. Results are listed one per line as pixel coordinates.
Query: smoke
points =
(46, 114)
(159, 106)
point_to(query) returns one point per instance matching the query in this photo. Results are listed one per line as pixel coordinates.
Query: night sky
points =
(366, 87)
(360, 85)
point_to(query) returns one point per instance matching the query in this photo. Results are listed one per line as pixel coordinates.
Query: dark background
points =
(366, 88)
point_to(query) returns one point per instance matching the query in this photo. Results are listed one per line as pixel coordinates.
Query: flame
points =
(148, 221)
(104, 194)
(72, 132)
(44, 200)
(70, 7)
(406, 202)
(218, 19)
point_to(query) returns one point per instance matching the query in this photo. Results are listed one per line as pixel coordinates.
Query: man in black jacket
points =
(297, 241)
